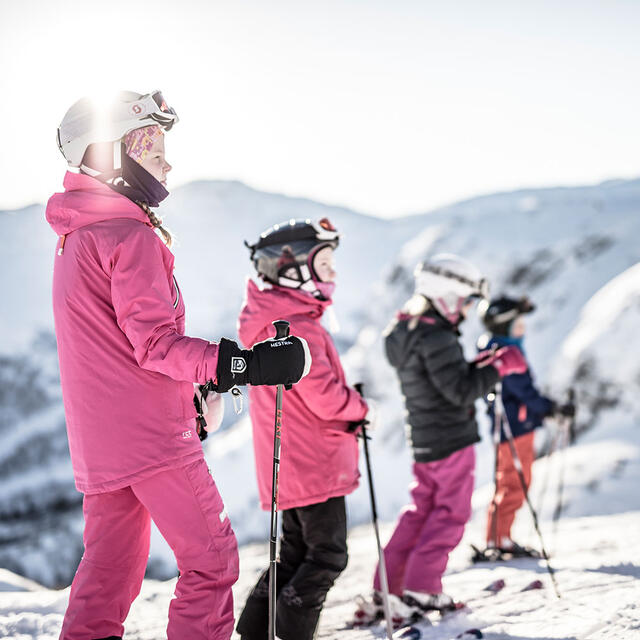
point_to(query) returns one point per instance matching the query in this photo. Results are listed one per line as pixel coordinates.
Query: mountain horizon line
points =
(237, 183)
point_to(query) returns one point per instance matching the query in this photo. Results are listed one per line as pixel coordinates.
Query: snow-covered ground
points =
(595, 552)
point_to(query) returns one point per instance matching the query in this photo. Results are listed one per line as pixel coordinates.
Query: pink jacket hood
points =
(263, 306)
(126, 368)
(319, 456)
(86, 201)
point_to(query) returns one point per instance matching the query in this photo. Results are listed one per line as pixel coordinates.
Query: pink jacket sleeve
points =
(324, 390)
(143, 297)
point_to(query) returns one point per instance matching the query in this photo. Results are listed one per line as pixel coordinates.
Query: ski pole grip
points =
(571, 395)
(353, 426)
(282, 328)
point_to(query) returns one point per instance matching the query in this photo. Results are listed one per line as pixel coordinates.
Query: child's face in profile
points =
(323, 265)
(155, 162)
(518, 327)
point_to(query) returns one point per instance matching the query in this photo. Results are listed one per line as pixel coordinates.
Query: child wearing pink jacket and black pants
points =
(319, 453)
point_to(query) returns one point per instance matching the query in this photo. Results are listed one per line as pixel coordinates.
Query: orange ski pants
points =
(509, 494)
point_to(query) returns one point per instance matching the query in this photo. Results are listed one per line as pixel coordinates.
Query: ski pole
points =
(571, 397)
(518, 465)
(382, 567)
(558, 442)
(497, 422)
(547, 468)
(567, 430)
(282, 331)
(563, 447)
(557, 511)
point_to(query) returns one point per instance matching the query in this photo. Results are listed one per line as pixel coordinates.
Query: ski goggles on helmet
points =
(480, 287)
(507, 309)
(154, 106)
(325, 230)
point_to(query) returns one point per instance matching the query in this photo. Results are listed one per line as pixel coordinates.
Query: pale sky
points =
(388, 107)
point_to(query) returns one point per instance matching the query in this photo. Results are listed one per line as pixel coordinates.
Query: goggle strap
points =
(505, 316)
(117, 155)
(89, 171)
(455, 276)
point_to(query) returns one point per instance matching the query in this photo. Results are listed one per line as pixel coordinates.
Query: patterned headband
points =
(138, 142)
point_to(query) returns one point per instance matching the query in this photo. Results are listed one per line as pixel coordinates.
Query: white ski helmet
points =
(448, 281)
(88, 122)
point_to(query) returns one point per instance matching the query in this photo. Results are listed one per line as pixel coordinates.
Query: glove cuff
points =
(233, 365)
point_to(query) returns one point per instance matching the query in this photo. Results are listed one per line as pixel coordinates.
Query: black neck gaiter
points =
(139, 185)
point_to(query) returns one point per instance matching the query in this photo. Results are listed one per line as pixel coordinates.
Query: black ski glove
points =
(568, 410)
(272, 361)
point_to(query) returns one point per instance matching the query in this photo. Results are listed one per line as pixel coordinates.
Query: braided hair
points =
(157, 224)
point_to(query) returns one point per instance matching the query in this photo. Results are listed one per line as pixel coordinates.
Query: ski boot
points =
(508, 550)
(426, 602)
(371, 611)
(489, 554)
(511, 549)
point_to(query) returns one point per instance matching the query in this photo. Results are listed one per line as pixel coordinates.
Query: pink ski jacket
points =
(319, 457)
(126, 367)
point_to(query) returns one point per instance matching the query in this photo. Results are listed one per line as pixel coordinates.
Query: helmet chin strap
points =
(455, 316)
(307, 282)
(117, 155)
(326, 289)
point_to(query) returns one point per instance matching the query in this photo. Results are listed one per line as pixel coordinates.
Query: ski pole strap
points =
(238, 400)
(201, 423)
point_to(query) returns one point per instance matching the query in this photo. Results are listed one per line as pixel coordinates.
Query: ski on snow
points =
(423, 628)
(418, 632)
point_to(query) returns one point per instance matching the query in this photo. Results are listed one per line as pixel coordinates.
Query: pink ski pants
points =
(430, 528)
(187, 508)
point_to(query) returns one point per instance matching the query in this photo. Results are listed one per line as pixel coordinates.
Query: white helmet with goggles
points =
(89, 122)
(449, 282)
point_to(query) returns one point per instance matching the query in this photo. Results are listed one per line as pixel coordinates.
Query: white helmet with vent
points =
(88, 122)
(449, 282)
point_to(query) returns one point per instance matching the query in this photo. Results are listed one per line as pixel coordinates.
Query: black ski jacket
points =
(438, 384)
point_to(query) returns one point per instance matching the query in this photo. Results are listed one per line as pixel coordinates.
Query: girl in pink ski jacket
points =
(319, 453)
(127, 373)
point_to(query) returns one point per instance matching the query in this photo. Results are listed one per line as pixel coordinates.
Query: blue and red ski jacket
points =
(524, 405)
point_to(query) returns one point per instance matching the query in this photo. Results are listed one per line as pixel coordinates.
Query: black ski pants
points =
(313, 553)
